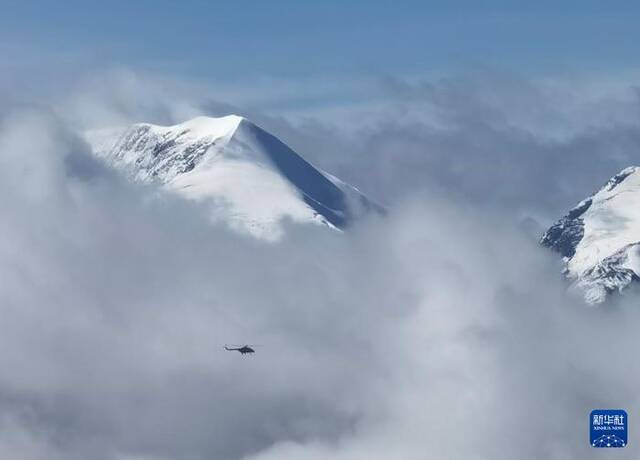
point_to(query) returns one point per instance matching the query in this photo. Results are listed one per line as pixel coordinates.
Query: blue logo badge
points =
(608, 428)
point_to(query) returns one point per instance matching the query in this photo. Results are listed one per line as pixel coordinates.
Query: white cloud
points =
(441, 331)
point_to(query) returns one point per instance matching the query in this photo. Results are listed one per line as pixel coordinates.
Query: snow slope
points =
(250, 178)
(600, 238)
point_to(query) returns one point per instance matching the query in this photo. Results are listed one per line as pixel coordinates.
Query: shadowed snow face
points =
(440, 331)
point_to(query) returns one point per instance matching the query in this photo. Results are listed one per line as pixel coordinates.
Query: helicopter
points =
(243, 349)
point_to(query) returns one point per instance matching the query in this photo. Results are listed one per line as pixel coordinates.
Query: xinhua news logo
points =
(608, 428)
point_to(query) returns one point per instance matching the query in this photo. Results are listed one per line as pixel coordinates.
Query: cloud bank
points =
(441, 331)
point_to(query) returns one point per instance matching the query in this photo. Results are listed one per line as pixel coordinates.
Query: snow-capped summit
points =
(249, 177)
(600, 238)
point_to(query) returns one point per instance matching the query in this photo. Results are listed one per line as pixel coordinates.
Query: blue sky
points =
(285, 39)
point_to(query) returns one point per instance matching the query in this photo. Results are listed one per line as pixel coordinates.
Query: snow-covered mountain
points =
(600, 238)
(250, 178)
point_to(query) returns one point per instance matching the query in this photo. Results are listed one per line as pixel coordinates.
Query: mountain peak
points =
(249, 177)
(599, 237)
(198, 128)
